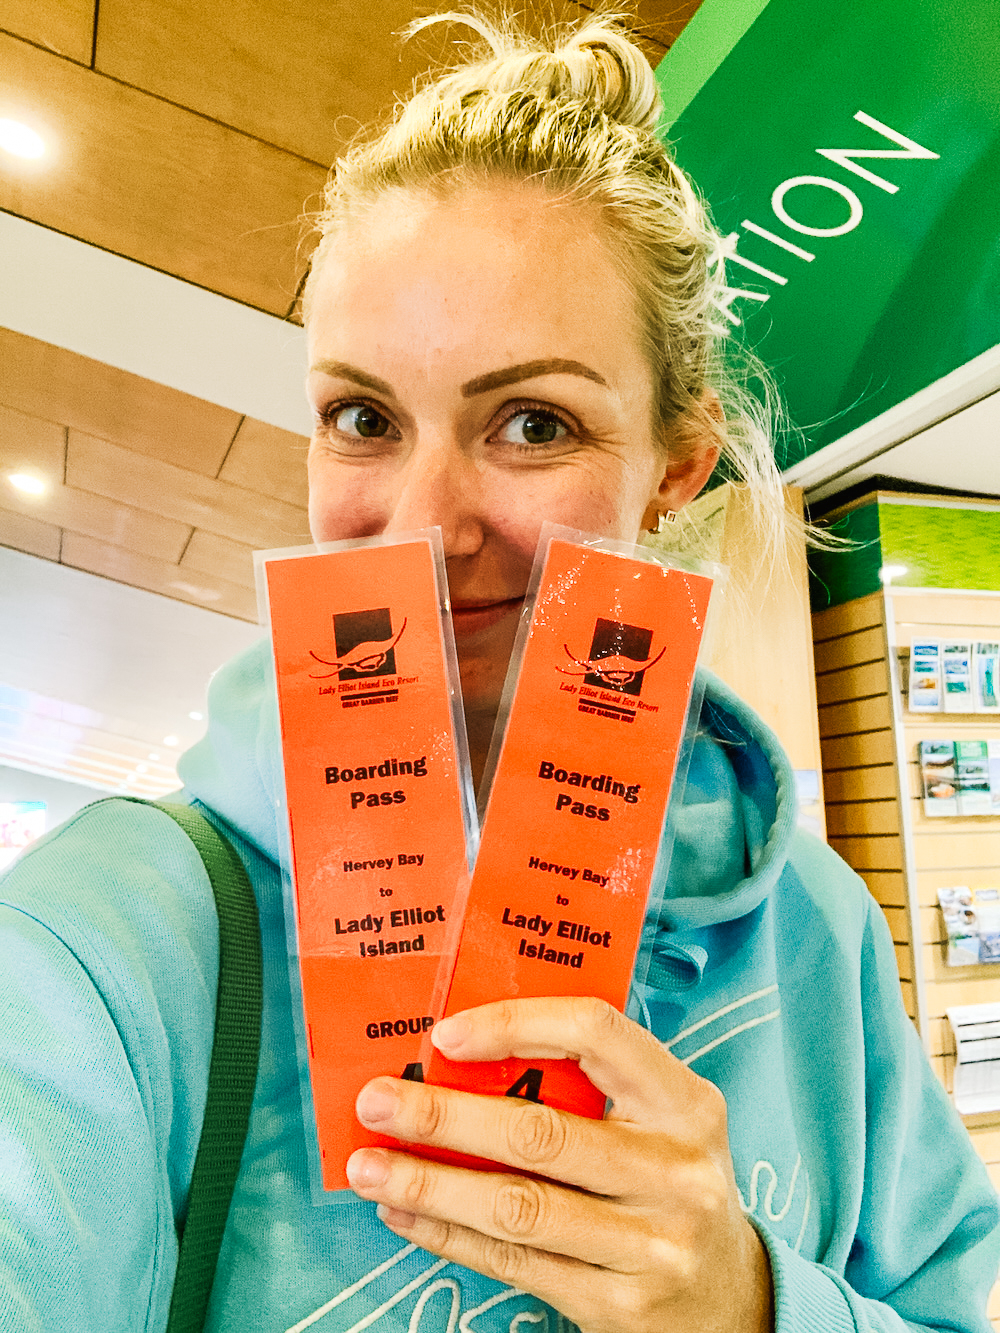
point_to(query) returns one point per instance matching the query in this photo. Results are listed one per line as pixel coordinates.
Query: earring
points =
(663, 521)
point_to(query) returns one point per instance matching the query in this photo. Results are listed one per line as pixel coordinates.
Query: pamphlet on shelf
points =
(993, 759)
(588, 745)
(961, 926)
(972, 925)
(972, 777)
(379, 813)
(986, 675)
(960, 777)
(938, 776)
(977, 1047)
(956, 668)
(925, 676)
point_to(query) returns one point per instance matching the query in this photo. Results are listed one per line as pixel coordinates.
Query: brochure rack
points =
(876, 792)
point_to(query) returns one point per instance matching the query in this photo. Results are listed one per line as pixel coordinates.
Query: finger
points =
(574, 1288)
(510, 1209)
(612, 1160)
(623, 1060)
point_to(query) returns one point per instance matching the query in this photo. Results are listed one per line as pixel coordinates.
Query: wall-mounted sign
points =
(850, 151)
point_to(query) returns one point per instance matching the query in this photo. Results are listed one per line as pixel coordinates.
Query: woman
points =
(508, 322)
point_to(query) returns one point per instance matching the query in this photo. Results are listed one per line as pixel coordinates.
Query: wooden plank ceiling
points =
(192, 137)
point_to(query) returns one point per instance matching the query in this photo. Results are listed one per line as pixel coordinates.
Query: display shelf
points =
(899, 544)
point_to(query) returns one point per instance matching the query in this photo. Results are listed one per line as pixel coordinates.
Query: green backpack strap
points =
(232, 1073)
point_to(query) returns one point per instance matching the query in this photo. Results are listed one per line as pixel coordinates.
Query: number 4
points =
(527, 1086)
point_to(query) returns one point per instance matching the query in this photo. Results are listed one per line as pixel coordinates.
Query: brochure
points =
(956, 667)
(972, 925)
(938, 775)
(589, 743)
(925, 676)
(986, 673)
(380, 819)
(972, 777)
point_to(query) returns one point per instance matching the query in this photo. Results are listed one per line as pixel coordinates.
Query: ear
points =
(693, 449)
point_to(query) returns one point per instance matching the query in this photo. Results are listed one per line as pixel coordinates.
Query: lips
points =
(474, 617)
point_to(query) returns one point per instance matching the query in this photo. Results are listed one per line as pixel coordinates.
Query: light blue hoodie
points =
(773, 976)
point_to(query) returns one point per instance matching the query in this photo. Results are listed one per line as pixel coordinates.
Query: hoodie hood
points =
(729, 834)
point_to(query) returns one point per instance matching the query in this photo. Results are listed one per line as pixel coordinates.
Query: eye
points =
(533, 427)
(360, 421)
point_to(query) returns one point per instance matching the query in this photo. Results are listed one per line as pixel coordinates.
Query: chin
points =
(483, 668)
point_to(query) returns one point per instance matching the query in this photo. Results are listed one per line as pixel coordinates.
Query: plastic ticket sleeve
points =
(379, 809)
(576, 810)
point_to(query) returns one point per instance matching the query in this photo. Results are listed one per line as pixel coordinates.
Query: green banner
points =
(850, 152)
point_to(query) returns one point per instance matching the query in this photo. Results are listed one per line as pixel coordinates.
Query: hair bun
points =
(607, 68)
(595, 64)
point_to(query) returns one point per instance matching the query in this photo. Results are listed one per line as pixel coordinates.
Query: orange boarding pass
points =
(380, 815)
(581, 782)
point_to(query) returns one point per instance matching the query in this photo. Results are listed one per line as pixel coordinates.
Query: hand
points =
(636, 1226)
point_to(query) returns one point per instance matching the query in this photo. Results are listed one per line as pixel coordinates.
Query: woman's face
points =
(475, 365)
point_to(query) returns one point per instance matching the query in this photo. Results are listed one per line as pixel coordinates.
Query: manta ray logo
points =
(619, 657)
(365, 645)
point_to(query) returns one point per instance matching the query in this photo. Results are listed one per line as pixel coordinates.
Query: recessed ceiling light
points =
(153, 756)
(18, 139)
(200, 594)
(24, 481)
(889, 572)
(195, 716)
(171, 740)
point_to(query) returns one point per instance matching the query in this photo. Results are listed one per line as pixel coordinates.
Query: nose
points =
(439, 487)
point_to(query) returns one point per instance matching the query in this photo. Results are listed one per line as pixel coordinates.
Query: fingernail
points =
(366, 1169)
(451, 1033)
(395, 1218)
(376, 1104)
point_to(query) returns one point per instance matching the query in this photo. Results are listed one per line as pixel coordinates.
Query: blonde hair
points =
(578, 112)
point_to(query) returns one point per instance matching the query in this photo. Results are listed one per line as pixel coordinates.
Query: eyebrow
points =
(496, 379)
(341, 370)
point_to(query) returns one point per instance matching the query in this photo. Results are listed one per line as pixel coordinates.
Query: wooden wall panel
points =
(887, 887)
(868, 750)
(147, 418)
(904, 961)
(228, 511)
(898, 922)
(942, 611)
(861, 784)
(987, 1141)
(63, 26)
(852, 682)
(936, 968)
(855, 717)
(152, 181)
(838, 621)
(852, 649)
(861, 818)
(27, 443)
(859, 770)
(95, 516)
(931, 925)
(768, 606)
(878, 853)
(948, 852)
(305, 77)
(158, 576)
(270, 461)
(929, 881)
(26, 533)
(211, 554)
